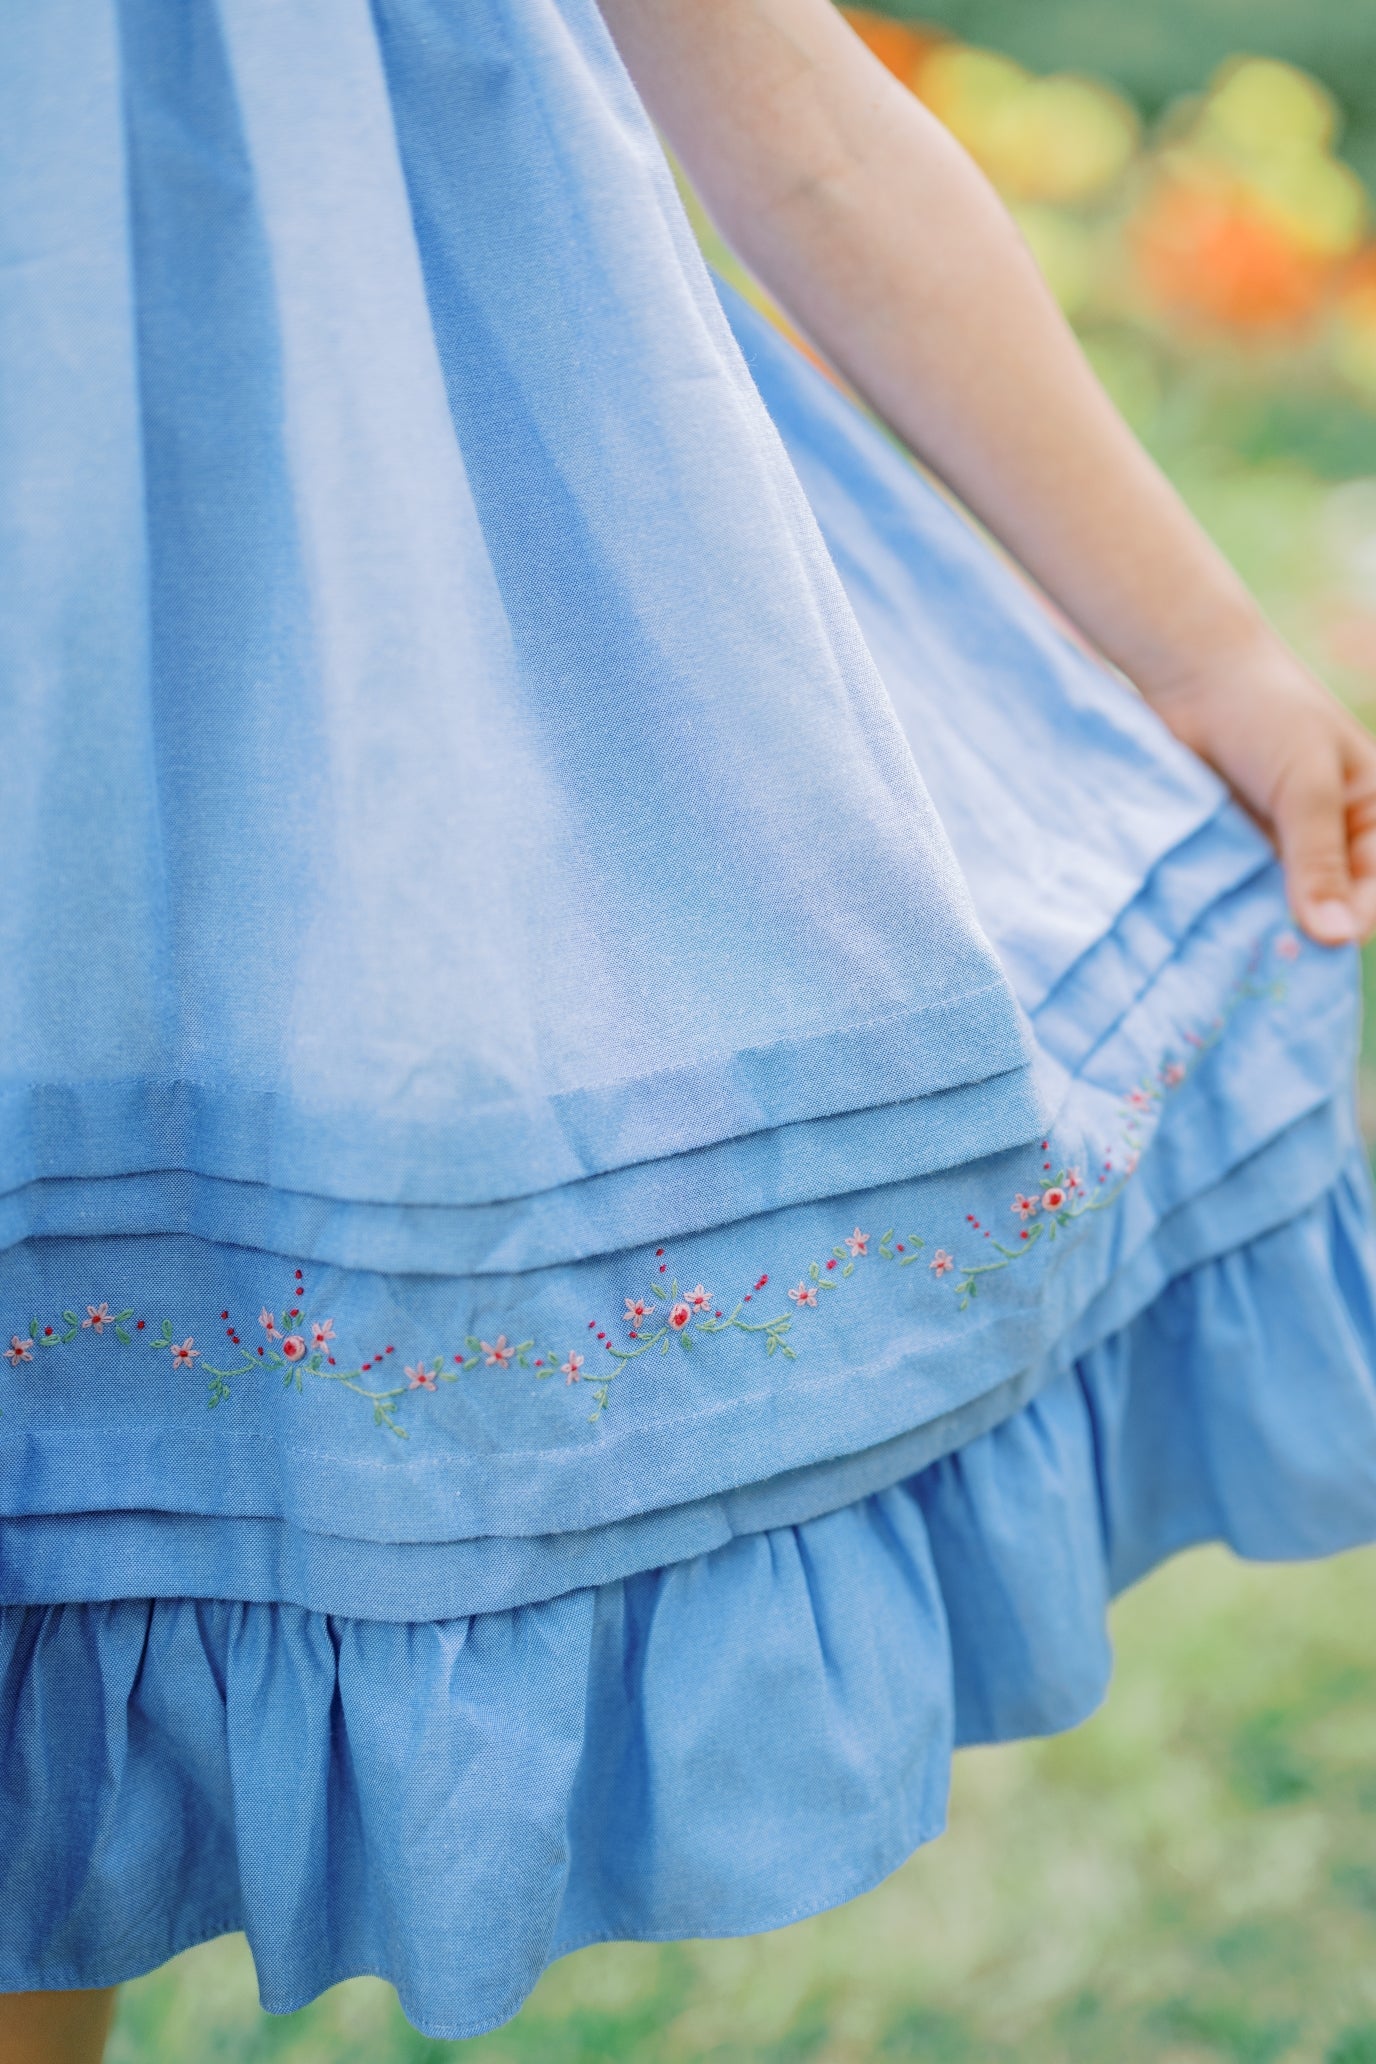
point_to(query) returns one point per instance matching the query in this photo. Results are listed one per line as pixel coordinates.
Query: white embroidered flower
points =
(572, 1366)
(497, 1352)
(19, 1350)
(806, 1293)
(941, 1262)
(99, 1316)
(185, 1354)
(857, 1242)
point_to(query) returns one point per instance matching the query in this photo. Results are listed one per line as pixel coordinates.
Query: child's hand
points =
(1303, 767)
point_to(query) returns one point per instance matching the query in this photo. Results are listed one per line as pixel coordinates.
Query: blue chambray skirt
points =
(650, 1135)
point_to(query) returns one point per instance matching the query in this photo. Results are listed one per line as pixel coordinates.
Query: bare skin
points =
(884, 241)
(55, 2027)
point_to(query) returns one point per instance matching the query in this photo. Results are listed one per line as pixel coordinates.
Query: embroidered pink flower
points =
(637, 1309)
(941, 1262)
(1130, 1165)
(679, 1315)
(806, 1293)
(857, 1242)
(1138, 1100)
(1053, 1198)
(185, 1354)
(571, 1367)
(1173, 1074)
(499, 1355)
(699, 1298)
(293, 1347)
(100, 1316)
(1072, 1179)
(1288, 946)
(322, 1331)
(19, 1350)
(268, 1323)
(1025, 1207)
(420, 1378)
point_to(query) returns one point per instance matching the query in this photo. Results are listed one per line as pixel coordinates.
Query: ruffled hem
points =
(716, 1747)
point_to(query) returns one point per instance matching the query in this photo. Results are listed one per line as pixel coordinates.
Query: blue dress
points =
(649, 1136)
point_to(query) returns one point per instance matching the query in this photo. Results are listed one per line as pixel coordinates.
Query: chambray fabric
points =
(819, 1351)
(715, 1747)
(451, 766)
(596, 1270)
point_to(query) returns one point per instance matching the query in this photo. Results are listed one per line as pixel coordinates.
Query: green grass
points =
(1189, 1877)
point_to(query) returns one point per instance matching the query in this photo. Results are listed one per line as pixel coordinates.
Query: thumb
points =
(1309, 814)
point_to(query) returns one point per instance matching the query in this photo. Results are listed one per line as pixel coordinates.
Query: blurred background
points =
(1190, 1877)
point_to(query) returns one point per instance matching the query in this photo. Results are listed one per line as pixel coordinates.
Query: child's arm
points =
(879, 234)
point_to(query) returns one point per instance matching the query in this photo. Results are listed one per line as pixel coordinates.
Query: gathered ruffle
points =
(715, 1747)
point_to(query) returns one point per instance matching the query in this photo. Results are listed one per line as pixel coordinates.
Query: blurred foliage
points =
(1157, 50)
(1190, 1878)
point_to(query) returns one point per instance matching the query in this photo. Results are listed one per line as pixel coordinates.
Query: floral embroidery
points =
(297, 1344)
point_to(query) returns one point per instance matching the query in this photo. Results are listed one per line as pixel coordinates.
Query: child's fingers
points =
(1309, 812)
(1361, 836)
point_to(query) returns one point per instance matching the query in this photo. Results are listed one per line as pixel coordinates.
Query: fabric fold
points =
(401, 639)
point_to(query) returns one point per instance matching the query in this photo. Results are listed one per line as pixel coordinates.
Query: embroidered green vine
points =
(297, 1344)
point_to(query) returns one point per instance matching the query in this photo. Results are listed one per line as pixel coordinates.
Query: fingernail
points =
(1332, 922)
